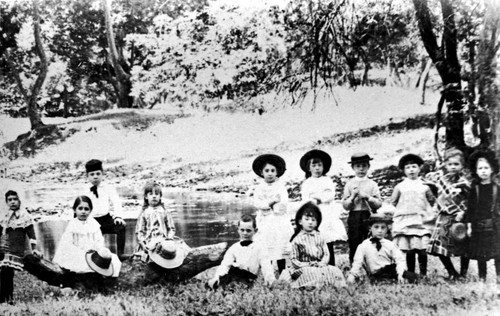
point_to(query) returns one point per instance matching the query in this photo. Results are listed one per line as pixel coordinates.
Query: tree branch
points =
(35, 90)
(426, 29)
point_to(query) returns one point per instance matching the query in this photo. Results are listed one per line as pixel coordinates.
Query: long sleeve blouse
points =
(154, 222)
(372, 260)
(308, 247)
(322, 187)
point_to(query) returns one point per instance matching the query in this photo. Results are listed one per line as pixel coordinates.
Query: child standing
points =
(320, 190)
(453, 190)
(154, 222)
(16, 227)
(412, 199)
(107, 205)
(380, 257)
(310, 255)
(244, 259)
(361, 198)
(270, 199)
(82, 237)
(483, 212)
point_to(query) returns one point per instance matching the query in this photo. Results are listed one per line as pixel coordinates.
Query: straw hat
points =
(100, 261)
(274, 160)
(458, 231)
(360, 157)
(316, 153)
(169, 254)
(379, 218)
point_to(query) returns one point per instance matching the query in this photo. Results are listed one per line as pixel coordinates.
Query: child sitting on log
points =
(16, 226)
(244, 259)
(81, 249)
(155, 231)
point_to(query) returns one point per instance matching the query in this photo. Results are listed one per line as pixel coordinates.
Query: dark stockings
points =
(281, 265)
(331, 250)
(422, 261)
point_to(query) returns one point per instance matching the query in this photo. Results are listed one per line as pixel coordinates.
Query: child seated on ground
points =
(244, 259)
(82, 249)
(155, 231)
(16, 227)
(380, 257)
(310, 255)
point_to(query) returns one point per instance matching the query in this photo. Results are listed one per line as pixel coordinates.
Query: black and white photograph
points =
(250, 157)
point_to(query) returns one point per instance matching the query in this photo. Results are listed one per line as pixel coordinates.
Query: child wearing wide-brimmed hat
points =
(361, 198)
(452, 191)
(82, 244)
(107, 204)
(243, 260)
(16, 230)
(270, 199)
(155, 231)
(483, 212)
(413, 200)
(380, 257)
(320, 190)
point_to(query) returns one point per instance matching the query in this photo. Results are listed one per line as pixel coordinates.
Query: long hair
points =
(149, 188)
(308, 209)
(310, 162)
(82, 199)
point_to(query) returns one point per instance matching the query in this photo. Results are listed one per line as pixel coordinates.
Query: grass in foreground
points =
(434, 296)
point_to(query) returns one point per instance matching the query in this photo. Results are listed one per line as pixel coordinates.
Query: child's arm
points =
(226, 264)
(400, 261)
(30, 232)
(348, 198)
(357, 264)
(326, 256)
(429, 196)
(116, 210)
(260, 201)
(328, 193)
(169, 224)
(375, 199)
(294, 257)
(265, 266)
(141, 230)
(395, 196)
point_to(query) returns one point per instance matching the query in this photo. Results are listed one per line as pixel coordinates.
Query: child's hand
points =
(455, 191)
(459, 217)
(314, 264)
(213, 283)
(355, 192)
(236, 265)
(37, 253)
(469, 231)
(363, 195)
(401, 280)
(351, 279)
(120, 221)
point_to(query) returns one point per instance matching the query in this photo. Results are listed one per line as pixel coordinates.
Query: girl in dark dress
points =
(483, 212)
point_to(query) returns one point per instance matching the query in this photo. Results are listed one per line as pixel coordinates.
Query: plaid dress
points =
(448, 204)
(308, 248)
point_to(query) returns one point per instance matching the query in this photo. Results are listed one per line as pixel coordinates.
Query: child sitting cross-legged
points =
(380, 257)
(244, 259)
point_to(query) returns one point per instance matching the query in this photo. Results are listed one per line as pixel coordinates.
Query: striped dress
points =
(309, 250)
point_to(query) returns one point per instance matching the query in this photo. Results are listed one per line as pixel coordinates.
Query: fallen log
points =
(134, 272)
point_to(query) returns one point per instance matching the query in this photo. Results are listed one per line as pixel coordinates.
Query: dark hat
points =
(410, 158)
(100, 261)
(275, 160)
(458, 231)
(377, 218)
(486, 154)
(360, 157)
(316, 153)
(93, 165)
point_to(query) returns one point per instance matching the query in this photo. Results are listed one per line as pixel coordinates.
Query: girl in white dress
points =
(82, 234)
(320, 189)
(270, 200)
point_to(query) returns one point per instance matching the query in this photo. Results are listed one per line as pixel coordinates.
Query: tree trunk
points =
(121, 80)
(446, 60)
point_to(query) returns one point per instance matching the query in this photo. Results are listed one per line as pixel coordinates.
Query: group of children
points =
(463, 210)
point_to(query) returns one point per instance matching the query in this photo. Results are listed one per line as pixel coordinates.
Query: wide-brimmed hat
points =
(169, 254)
(316, 153)
(379, 218)
(275, 160)
(458, 231)
(486, 154)
(100, 261)
(410, 157)
(360, 157)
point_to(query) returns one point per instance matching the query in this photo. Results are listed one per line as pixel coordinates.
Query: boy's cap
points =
(316, 153)
(379, 218)
(93, 165)
(410, 157)
(360, 157)
(275, 160)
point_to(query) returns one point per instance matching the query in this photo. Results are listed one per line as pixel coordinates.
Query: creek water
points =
(201, 218)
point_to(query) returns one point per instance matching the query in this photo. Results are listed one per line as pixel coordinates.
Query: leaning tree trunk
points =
(121, 79)
(446, 60)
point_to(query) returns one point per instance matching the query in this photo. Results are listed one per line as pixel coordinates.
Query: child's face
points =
(308, 223)
(95, 177)
(412, 170)
(154, 197)
(360, 169)
(246, 230)
(453, 165)
(483, 169)
(379, 230)
(82, 211)
(316, 169)
(13, 202)
(269, 173)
